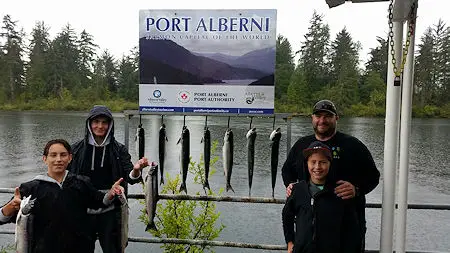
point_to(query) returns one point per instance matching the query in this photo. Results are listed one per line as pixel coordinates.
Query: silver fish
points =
(227, 151)
(24, 225)
(206, 140)
(185, 159)
(151, 194)
(124, 212)
(275, 137)
(251, 137)
(140, 141)
(162, 150)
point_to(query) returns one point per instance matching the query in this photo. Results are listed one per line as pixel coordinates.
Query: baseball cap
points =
(316, 147)
(325, 106)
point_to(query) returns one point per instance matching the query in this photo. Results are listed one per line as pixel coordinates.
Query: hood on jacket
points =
(96, 111)
(49, 179)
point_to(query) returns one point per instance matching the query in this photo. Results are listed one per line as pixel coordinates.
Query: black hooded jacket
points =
(60, 219)
(324, 223)
(115, 155)
(352, 162)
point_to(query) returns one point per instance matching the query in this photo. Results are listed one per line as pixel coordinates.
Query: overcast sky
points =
(115, 24)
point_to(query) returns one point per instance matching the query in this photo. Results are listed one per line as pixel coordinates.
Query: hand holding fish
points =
(345, 190)
(15, 202)
(116, 189)
(140, 164)
(289, 189)
(14, 205)
(290, 247)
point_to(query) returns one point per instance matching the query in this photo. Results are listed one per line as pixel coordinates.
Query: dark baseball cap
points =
(325, 106)
(316, 147)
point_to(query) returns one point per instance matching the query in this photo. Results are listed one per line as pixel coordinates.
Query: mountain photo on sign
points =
(208, 47)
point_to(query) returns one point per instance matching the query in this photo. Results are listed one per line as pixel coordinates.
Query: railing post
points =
(126, 140)
(405, 132)
(288, 134)
(391, 144)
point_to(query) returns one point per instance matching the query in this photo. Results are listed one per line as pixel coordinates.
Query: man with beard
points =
(353, 169)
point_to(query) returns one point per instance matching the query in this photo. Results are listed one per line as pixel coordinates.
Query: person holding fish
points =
(50, 210)
(353, 169)
(323, 221)
(104, 160)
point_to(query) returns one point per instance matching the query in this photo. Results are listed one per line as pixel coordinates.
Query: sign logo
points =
(249, 99)
(157, 93)
(157, 98)
(184, 96)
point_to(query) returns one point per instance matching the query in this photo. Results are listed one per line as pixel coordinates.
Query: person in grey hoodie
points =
(104, 160)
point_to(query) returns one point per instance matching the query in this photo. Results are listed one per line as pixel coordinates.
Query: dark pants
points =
(363, 238)
(361, 210)
(362, 222)
(106, 227)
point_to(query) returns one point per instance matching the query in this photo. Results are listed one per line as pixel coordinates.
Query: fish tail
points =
(151, 225)
(183, 187)
(206, 184)
(229, 187)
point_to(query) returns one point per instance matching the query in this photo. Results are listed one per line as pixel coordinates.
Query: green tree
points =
(12, 63)
(105, 80)
(187, 219)
(376, 69)
(379, 59)
(36, 74)
(3, 75)
(284, 66)
(344, 70)
(128, 78)
(87, 48)
(64, 62)
(375, 88)
(442, 62)
(297, 89)
(424, 88)
(314, 55)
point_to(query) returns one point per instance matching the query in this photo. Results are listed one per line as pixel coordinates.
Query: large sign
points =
(207, 61)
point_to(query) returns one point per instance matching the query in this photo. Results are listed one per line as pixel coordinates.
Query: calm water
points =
(22, 136)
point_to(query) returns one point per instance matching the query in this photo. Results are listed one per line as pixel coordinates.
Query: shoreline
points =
(121, 110)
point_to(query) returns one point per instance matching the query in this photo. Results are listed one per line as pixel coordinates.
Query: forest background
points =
(65, 73)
